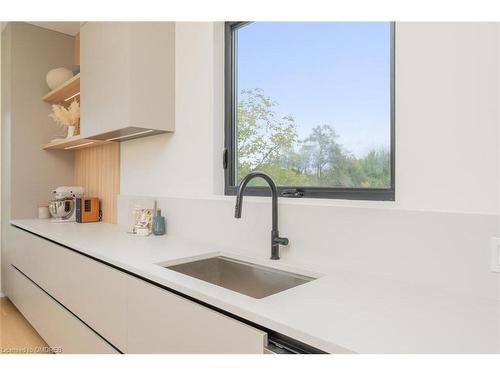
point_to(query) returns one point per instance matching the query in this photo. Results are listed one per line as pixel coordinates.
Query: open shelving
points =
(72, 143)
(65, 92)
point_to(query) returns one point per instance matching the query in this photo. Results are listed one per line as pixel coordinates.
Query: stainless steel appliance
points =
(62, 205)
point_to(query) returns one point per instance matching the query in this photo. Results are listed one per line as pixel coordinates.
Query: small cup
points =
(43, 212)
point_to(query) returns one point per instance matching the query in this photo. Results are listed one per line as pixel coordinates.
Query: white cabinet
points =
(93, 291)
(127, 79)
(163, 322)
(57, 326)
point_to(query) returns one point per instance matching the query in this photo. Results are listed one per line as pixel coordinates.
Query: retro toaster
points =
(87, 210)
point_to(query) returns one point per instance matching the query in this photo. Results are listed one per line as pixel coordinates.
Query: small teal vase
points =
(159, 227)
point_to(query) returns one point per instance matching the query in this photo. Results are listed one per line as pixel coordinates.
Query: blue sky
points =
(333, 73)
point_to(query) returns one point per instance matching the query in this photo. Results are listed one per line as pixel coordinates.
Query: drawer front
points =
(91, 290)
(58, 327)
(162, 322)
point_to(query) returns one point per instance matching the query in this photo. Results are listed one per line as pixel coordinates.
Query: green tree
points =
(321, 145)
(327, 161)
(376, 166)
(270, 143)
(264, 137)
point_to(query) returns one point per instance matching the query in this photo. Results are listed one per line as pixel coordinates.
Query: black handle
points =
(292, 193)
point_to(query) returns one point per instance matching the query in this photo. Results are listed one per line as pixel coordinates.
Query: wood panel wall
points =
(97, 169)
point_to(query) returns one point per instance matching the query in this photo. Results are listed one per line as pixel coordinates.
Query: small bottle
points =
(158, 224)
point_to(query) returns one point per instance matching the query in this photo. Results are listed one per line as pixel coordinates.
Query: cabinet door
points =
(91, 73)
(127, 78)
(152, 75)
(162, 322)
(105, 68)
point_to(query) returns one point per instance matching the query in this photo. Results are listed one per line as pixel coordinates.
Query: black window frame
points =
(230, 140)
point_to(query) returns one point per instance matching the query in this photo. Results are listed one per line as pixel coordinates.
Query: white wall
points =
(33, 173)
(447, 167)
(29, 173)
(447, 108)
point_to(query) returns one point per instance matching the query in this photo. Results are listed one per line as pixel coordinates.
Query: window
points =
(312, 105)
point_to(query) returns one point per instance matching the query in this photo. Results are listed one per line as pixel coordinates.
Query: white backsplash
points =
(445, 250)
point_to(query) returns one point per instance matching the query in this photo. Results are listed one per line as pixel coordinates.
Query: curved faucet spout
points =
(276, 240)
(243, 186)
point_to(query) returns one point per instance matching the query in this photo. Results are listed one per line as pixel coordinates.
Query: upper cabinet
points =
(127, 79)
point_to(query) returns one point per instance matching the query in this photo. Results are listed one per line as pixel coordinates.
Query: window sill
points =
(316, 202)
(322, 193)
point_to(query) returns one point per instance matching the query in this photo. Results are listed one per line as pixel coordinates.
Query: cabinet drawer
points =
(58, 327)
(91, 290)
(163, 322)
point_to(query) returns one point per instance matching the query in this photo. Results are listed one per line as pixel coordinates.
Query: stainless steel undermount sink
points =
(246, 278)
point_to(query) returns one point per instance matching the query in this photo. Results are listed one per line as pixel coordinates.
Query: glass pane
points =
(313, 104)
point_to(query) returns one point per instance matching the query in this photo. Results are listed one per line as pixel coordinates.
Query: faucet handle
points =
(292, 193)
(281, 241)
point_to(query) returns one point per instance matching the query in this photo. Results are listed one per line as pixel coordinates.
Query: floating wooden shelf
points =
(64, 93)
(73, 143)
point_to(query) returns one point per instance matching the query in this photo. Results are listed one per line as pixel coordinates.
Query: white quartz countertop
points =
(338, 312)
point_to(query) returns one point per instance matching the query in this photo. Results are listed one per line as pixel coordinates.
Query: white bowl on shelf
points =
(56, 77)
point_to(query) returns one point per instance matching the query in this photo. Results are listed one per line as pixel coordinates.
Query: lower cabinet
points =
(162, 322)
(59, 328)
(132, 315)
(91, 290)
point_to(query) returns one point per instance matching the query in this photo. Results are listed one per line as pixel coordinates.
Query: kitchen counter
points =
(338, 312)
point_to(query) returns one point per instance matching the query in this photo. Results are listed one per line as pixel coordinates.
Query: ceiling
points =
(69, 28)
